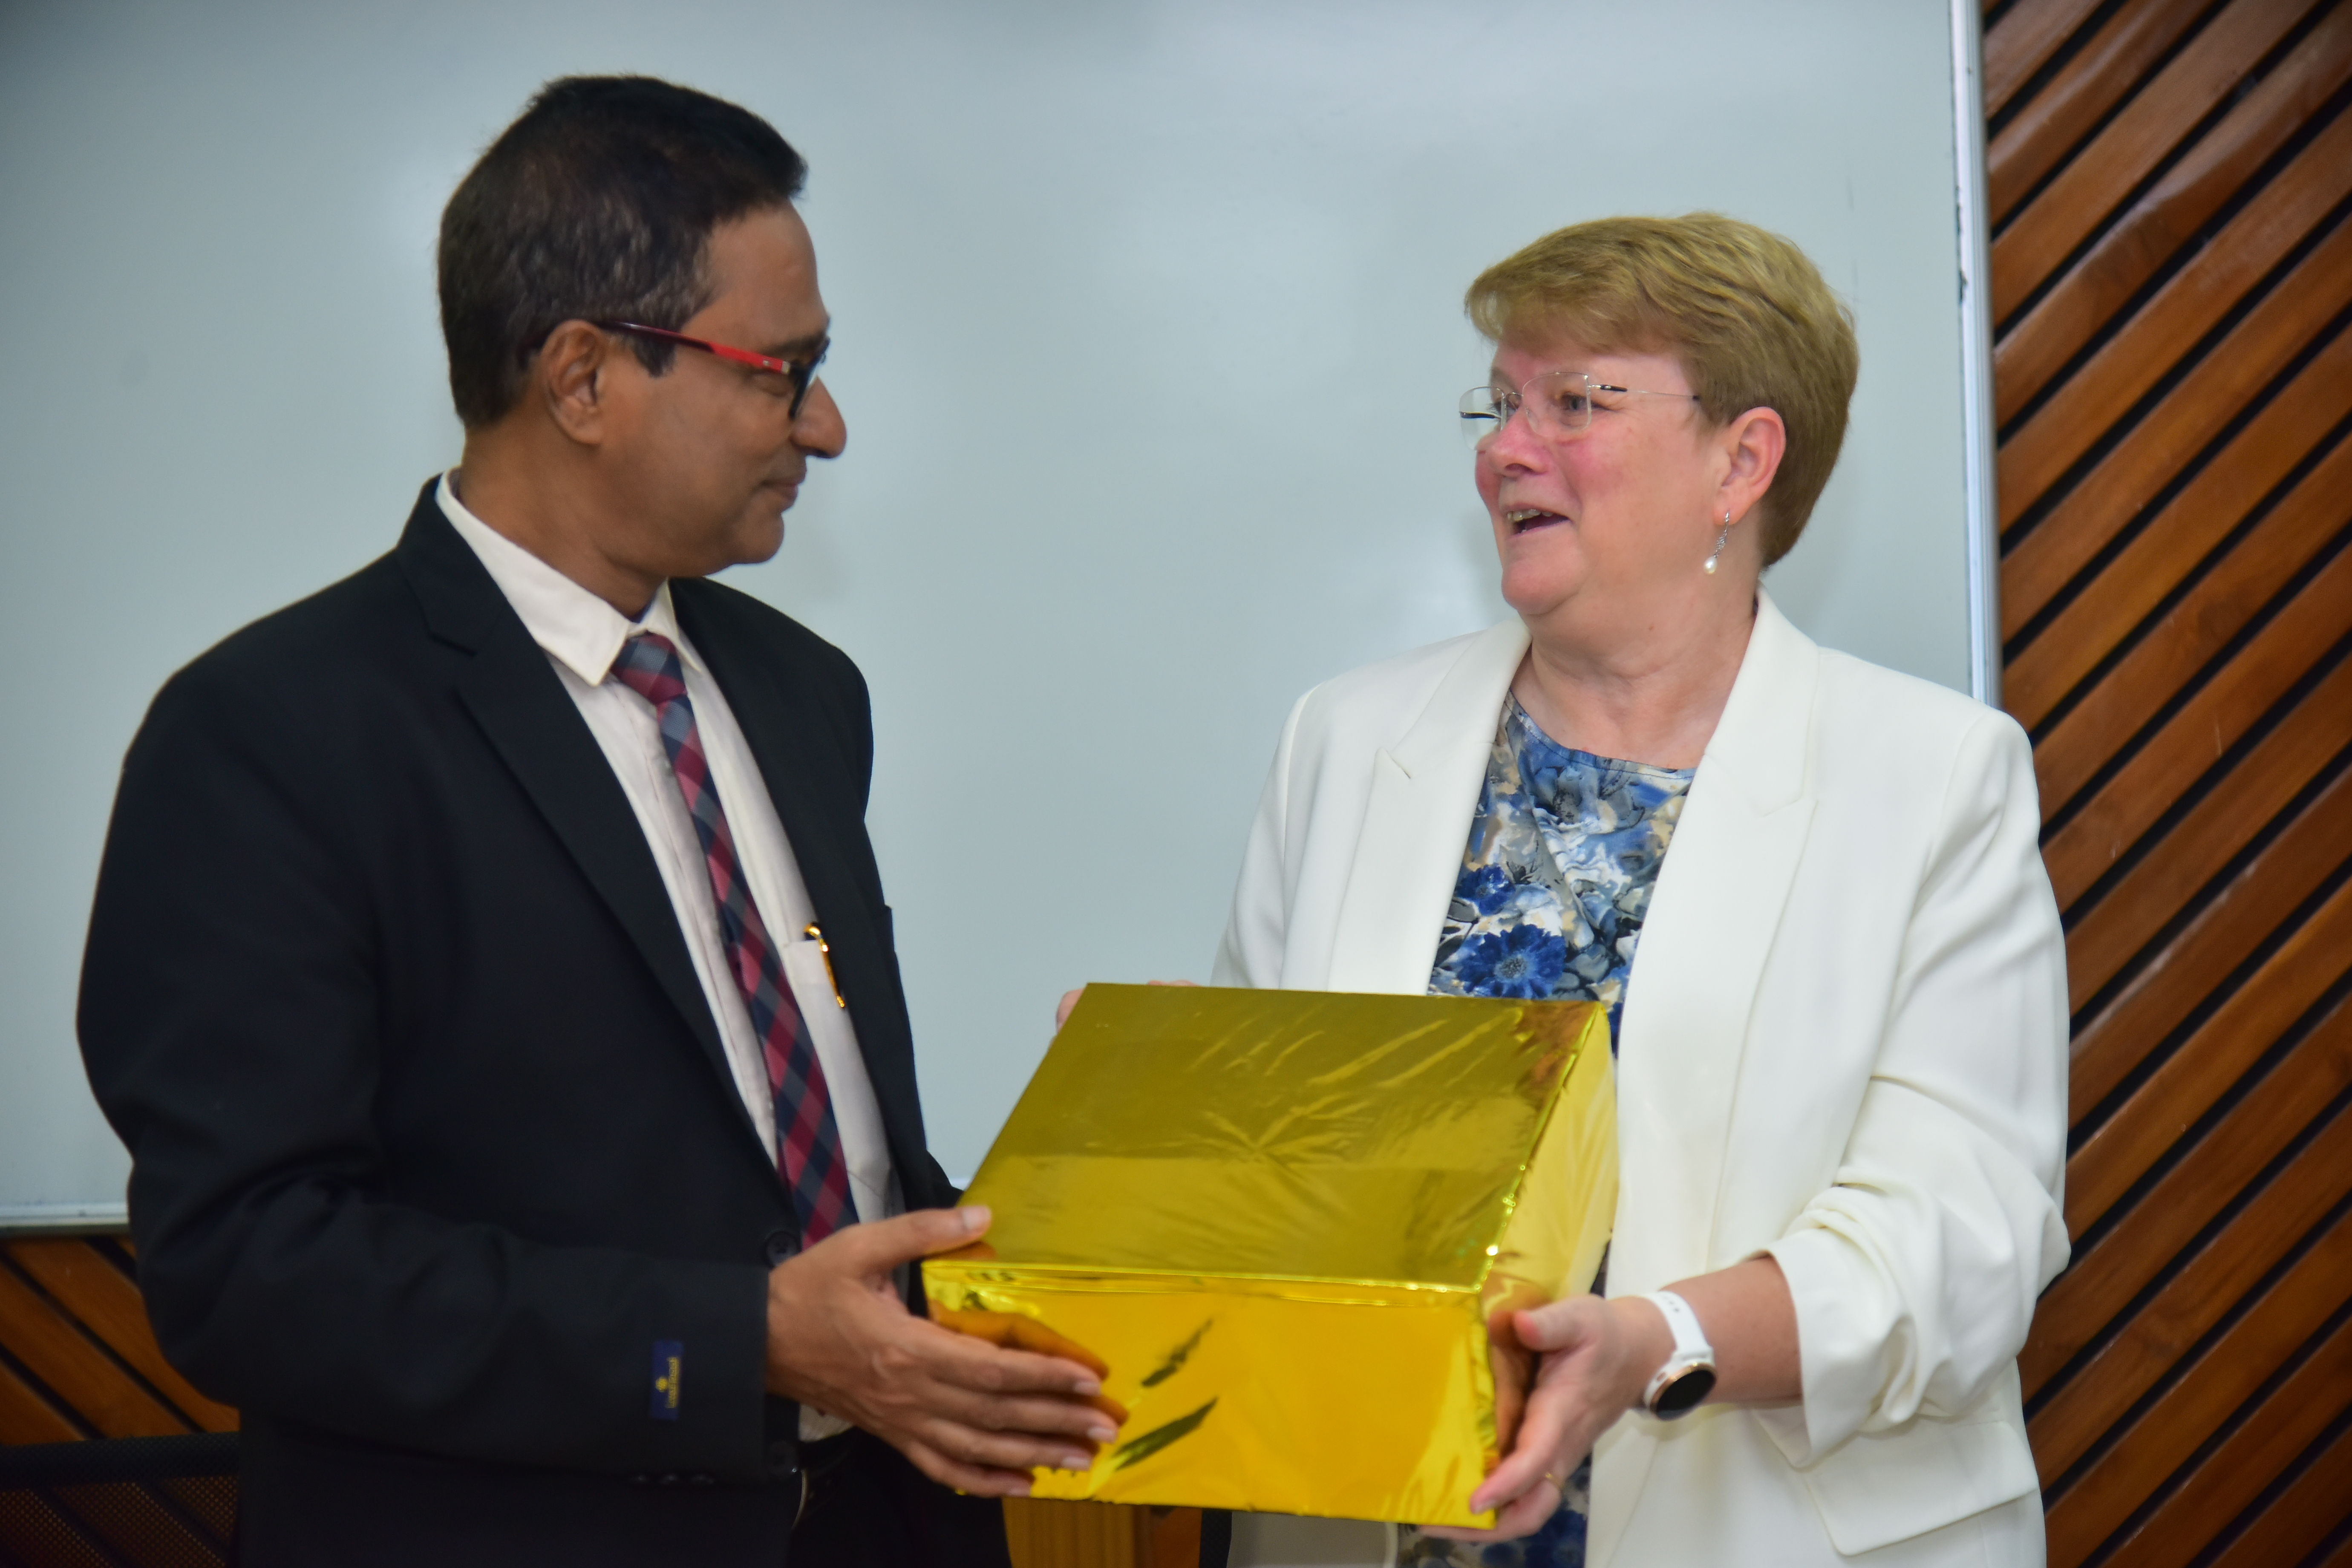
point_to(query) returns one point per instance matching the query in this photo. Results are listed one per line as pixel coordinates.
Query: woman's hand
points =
(1070, 1000)
(1596, 1359)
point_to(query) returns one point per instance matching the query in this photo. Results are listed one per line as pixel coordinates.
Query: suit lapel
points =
(1712, 923)
(516, 697)
(811, 783)
(1424, 790)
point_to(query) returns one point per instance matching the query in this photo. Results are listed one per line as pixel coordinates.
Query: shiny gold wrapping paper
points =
(1283, 1221)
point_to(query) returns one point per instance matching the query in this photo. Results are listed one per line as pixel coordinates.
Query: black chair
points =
(123, 1502)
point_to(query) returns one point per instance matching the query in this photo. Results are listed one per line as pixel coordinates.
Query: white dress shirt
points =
(581, 635)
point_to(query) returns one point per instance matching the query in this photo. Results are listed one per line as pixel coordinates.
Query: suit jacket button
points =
(779, 1246)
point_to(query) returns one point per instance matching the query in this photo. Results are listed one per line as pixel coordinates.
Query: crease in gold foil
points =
(1284, 1224)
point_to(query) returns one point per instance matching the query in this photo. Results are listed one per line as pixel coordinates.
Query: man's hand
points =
(1598, 1357)
(968, 1413)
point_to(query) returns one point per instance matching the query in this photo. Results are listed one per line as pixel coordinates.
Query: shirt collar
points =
(575, 627)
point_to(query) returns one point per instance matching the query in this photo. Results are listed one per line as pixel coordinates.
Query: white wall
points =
(1148, 332)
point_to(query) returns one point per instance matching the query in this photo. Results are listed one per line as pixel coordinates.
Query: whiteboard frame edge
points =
(1977, 475)
(52, 1220)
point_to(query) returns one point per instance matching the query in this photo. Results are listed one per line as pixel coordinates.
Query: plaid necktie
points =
(808, 1144)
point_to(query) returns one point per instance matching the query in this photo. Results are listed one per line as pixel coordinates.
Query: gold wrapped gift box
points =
(1283, 1223)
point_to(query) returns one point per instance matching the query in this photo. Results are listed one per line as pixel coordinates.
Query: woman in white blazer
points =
(1810, 889)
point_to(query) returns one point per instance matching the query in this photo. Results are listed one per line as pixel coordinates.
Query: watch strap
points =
(1691, 1352)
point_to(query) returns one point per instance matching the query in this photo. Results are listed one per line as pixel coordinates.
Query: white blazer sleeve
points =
(1257, 928)
(1914, 1275)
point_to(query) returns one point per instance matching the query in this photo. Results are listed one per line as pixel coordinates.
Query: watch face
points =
(1681, 1396)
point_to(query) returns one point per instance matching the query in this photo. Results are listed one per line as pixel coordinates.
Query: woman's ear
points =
(1752, 445)
(569, 378)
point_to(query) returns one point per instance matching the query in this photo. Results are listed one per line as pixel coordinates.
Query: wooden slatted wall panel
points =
(76, 1357)
(78, 1360)
(2169, 182)
(1100, 1535)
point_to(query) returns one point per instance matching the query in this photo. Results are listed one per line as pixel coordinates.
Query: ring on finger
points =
(1557, 1484)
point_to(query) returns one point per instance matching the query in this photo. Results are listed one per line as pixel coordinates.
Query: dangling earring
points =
(1720, 540)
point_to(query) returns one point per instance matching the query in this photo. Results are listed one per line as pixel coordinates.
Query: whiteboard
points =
(1148, 332)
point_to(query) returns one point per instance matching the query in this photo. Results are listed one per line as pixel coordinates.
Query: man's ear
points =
(570, 378)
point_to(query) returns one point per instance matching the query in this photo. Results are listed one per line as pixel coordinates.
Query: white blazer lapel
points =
(1425, 789)
(1711, 925)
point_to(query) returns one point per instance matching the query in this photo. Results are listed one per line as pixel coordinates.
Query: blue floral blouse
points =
(1556, 881)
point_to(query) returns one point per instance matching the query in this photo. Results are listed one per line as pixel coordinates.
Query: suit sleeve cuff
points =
(701, 1396)
(1843, 1307)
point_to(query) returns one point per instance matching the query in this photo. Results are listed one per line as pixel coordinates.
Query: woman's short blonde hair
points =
(1743, 309)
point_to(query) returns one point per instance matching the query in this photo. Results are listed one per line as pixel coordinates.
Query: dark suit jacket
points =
(434, 1140)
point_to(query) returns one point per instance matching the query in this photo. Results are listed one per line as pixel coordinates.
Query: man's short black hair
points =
(596, 204)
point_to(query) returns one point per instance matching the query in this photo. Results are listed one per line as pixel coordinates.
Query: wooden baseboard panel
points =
(1100, 1535)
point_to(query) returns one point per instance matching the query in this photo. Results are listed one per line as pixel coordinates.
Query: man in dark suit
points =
(490, 974)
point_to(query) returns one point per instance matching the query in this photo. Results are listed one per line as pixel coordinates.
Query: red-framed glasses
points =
(800, 374)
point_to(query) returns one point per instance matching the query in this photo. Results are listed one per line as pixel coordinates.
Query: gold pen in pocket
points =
(825, 952)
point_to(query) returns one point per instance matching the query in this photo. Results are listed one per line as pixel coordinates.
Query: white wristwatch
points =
(1689, 1375)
